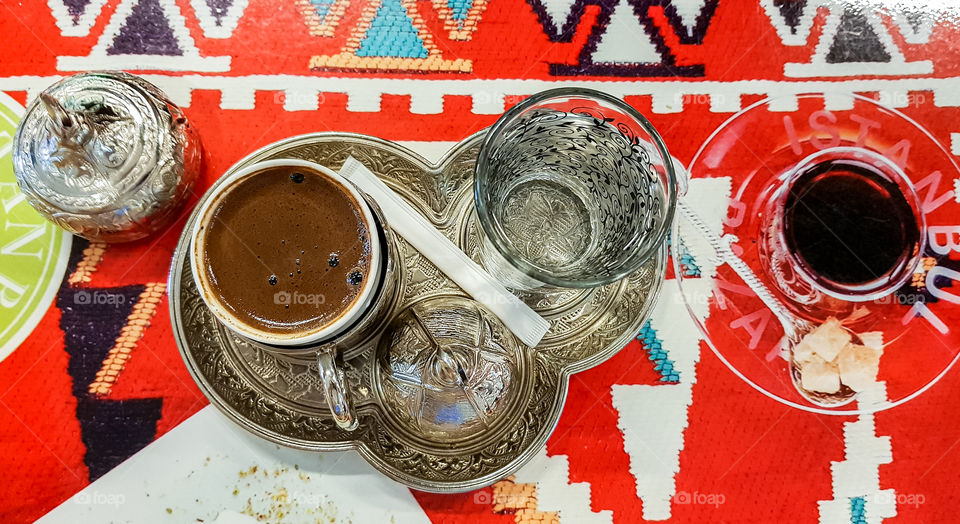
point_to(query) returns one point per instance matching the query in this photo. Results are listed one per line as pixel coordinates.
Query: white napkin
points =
(232, 517)
(523, 321)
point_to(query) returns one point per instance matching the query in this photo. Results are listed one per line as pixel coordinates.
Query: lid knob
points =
(61, 118)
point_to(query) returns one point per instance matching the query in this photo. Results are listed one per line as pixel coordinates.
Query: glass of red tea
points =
(845, 223)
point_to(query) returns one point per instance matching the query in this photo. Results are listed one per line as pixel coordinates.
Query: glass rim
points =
(501, 243)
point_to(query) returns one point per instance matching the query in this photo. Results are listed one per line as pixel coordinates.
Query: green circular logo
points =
(33, 251)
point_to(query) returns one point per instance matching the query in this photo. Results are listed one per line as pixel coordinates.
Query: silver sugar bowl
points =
(451, 376)
(106, 156)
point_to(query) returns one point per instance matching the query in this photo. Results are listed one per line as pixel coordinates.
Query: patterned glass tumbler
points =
(574, 188)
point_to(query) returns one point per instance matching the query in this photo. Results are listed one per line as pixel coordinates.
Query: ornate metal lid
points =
(89, 141)
(450, 371)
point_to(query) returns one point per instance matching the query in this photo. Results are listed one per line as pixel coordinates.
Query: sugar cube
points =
(820, 375)
(858, 366)
(826, 341)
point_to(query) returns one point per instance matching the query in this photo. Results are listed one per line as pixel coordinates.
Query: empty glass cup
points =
(574, 188)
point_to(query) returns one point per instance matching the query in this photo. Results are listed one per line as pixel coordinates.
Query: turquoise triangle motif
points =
(392, 34)
(322, 7)
(460, 9)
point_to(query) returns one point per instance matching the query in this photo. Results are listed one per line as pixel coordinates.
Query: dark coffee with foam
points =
(286, 251)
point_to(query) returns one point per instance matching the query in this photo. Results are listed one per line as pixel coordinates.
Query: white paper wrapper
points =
(523, 321)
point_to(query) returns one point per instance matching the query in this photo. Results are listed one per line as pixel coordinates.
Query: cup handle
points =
(335, 388)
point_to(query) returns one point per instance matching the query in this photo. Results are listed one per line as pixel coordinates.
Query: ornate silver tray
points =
(281, 399)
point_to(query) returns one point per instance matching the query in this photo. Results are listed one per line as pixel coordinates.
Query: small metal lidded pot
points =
(106, 156)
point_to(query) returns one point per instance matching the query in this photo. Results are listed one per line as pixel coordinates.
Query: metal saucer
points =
(281, 400)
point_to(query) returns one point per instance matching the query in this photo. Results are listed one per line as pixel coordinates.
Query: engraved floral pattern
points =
(545, 228)
(287, 412)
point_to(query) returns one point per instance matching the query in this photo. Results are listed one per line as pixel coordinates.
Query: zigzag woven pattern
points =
(663, 431)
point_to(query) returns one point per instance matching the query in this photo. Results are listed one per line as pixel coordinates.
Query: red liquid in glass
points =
(848, 223)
